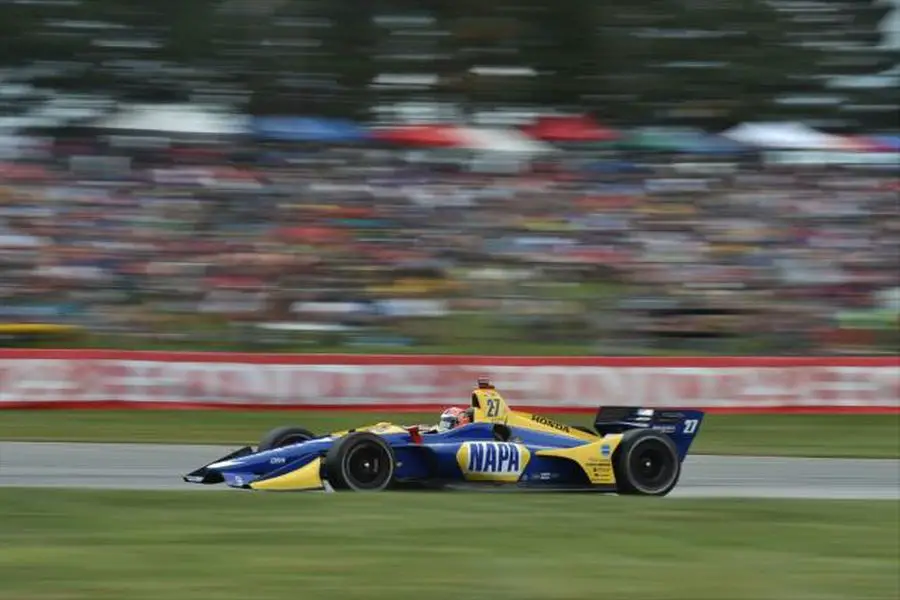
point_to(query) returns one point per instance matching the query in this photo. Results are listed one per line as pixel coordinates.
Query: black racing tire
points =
(284, 436)
(360, 462)
(646, 463)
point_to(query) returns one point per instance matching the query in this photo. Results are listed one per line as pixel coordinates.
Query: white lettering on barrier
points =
(86, 380)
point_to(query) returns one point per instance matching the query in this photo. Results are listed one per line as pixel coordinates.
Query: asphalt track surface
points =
(159, 467)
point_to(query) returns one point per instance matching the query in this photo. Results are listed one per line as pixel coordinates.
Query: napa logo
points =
(492, 461)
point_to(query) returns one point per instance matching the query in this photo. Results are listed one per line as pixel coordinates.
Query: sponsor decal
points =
(382, 428)
(494, 458)
(492, 461)
(599, 470)
(674, 416)
(602, 474)
(277, 460)
(549, 423)
(604, 451)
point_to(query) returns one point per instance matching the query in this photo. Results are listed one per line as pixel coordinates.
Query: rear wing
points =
(682, 425)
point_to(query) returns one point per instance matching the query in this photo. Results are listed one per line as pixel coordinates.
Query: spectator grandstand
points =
(269, 246)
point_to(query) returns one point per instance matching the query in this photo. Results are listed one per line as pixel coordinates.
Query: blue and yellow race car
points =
(629, 451)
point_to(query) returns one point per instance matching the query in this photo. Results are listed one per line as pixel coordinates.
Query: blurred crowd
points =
(267, 247)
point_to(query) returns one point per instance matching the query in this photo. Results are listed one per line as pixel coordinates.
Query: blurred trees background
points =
(700, 62)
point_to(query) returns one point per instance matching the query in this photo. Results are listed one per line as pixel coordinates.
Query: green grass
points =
(126, 545)
(875, 436)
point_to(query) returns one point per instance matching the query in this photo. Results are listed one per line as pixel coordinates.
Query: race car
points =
(630, 450)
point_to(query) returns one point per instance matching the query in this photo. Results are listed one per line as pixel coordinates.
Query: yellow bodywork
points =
(382, 428)
(306, 477)
(595, 459)
(490, 407)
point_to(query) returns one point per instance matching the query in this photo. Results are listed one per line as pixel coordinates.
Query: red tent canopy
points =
(869, 144)
(443, 136)
(23, 172)
(570, 129)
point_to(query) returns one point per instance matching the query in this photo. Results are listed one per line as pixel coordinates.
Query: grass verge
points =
(113, 545)
(870, 436)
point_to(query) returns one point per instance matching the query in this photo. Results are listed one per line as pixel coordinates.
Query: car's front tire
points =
(360, 462)
(646, 463)
(284, 436)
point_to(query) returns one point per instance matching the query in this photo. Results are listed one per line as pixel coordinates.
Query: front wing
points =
(299, 475)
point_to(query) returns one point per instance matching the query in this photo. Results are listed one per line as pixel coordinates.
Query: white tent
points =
(498, 139)
(786, 136)
(184, 119)
(889, 299)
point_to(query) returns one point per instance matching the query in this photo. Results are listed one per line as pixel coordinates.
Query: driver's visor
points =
(447, 423)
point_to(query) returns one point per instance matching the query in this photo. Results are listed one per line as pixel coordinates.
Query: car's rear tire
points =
(646, 463)
(284, 436)
(360, 462)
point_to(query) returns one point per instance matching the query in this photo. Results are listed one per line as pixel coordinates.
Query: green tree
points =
(124, 50)
(714, 62)
(700, 62)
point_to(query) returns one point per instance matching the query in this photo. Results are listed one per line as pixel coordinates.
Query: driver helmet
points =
(454, 417)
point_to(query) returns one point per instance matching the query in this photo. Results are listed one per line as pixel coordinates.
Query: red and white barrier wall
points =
(113, 379)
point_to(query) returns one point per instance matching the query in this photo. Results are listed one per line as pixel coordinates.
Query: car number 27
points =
(493, 407)
(690, 426)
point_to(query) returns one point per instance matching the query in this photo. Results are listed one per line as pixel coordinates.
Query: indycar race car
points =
(629, 451)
